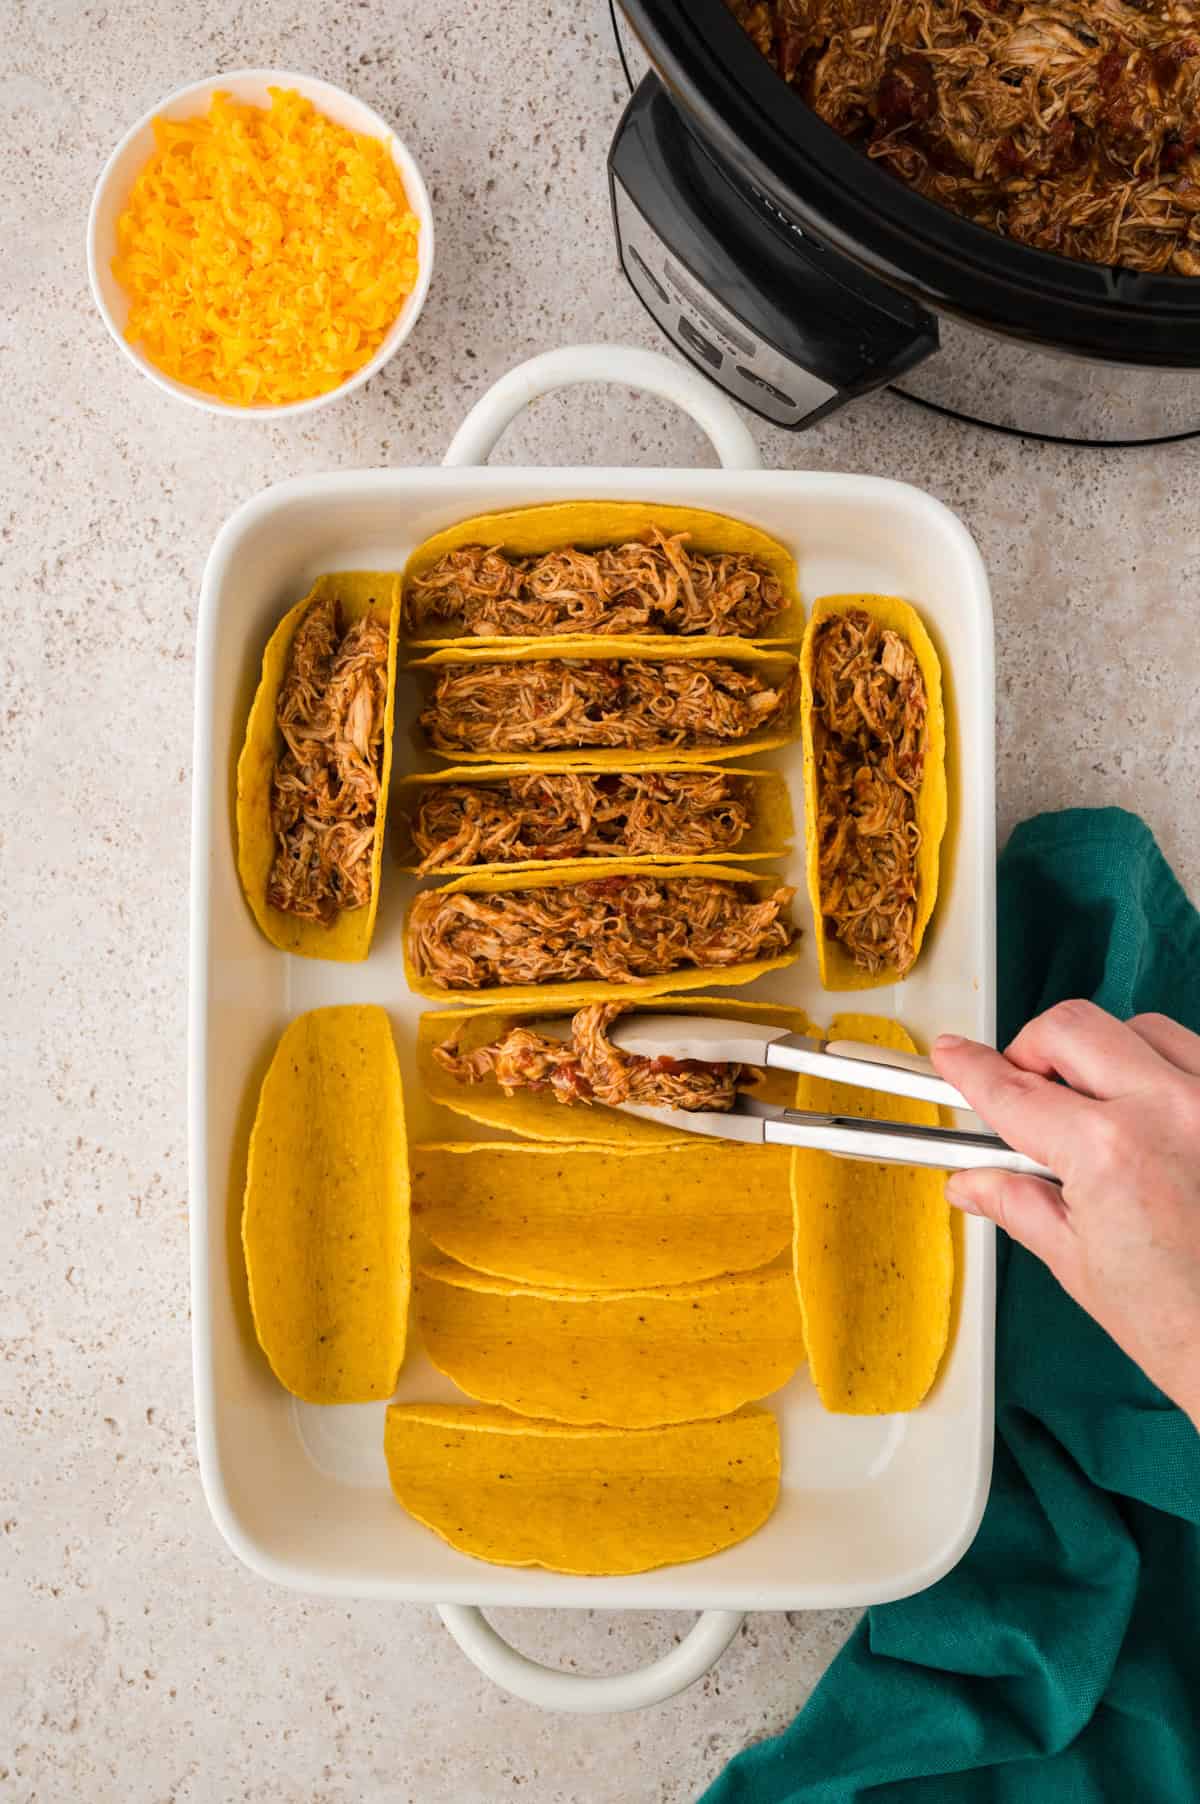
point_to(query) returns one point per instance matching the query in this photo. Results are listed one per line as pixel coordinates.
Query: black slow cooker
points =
(799, 275)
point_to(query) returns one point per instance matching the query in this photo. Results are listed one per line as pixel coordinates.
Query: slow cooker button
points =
(698, 342)
(761, 382)
(650, 276)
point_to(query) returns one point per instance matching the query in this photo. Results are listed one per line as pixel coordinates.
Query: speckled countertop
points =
(139, 1662)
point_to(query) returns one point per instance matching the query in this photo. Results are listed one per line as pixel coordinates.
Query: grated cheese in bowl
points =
(266, 252)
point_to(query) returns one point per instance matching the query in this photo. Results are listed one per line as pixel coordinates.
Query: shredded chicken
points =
(325, 790)
(575, 814)
(1071, 127)
(608, 929)
(589, 1068)
(659, 585)
(639, 703)
(869, 739)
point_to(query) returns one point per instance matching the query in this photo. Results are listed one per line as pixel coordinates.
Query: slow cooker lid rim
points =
(1109, 346)
(753, 121)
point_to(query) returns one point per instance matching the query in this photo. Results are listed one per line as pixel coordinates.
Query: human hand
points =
(1122, 1236)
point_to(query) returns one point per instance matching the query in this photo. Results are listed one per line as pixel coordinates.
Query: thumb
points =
(1028, 1209)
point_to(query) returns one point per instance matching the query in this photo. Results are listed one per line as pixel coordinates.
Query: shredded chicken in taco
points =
(325, 790)
(606, 929)
(589, 1068)
(580, 814)
(1071, 128)
(658, 586)
(868, 730)
(642, 704)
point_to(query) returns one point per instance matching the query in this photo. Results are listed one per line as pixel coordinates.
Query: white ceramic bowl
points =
(250, 87)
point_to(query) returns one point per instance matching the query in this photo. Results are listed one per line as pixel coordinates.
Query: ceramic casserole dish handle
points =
(472, 444)
(479, 433)
(582, 1692)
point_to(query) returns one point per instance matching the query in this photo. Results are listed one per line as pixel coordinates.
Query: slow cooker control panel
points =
(709, 332)
(743, 291)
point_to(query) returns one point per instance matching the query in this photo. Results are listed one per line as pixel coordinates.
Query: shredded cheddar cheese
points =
(266, 252)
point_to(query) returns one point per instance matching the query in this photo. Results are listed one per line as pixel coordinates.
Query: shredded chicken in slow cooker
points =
(588, 1067)
(608, 929)
(579, 814)
(325, 790)
(869, 739)
(639, 703)
(1071, 127)
(659, 586)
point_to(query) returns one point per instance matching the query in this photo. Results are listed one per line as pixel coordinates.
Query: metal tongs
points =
(971, 1147)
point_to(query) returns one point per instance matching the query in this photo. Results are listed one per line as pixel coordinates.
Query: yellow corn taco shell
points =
(873, 1253)
(558, 996)
(837, 968)
(325, 1221)
(769, 836)
(587, 525)
(777, 666)
(349, 938)
(537, 1115)
(594, 1501)
(596, 1218)
(628, 1359)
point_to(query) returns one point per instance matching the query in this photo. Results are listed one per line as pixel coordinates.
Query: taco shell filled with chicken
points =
(567, 936)
(585, 568)
(312, 778)
(494, 1066)
(874, 735)
(517, 817)
(599, 703)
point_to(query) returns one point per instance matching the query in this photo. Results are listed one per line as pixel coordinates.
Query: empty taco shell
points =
(873, 1253)
(629, 1359)
(595, 1501)
(325, 1222)
(604, 1218)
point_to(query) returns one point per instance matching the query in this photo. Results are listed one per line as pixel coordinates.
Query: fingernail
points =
(958, 1196)
(947, 1042)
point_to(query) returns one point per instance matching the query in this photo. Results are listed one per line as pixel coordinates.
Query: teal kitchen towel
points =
(1059, 1662)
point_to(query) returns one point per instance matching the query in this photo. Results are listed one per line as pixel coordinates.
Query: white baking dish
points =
(870, 1509)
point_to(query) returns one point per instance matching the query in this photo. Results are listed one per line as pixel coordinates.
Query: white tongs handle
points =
(897, 1143)
(866, 1067)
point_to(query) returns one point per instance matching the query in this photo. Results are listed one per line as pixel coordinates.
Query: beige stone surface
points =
(139, 1662)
